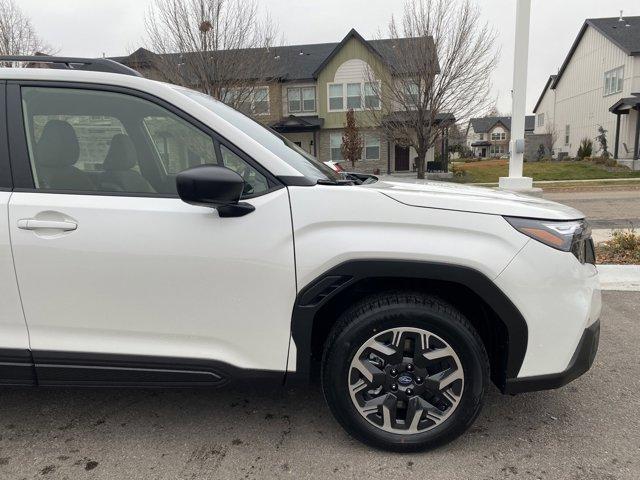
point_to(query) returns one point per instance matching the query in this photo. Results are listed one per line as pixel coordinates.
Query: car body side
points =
(332, 225)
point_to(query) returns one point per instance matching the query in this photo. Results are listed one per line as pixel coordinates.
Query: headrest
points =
(58, 145)
(121, 155)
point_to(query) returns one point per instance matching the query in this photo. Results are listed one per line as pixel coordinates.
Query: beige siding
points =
(580, 99)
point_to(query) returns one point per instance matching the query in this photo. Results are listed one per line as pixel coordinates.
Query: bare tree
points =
(551, 137)
(442, 58)
(221, 47)
(17, 34)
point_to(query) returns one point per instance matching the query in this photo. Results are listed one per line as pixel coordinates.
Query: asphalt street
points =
(605, 209)
(589, 430)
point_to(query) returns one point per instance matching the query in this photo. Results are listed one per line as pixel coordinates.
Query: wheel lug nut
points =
(409, 368)
(394, 387)
(393, 372)
(418, 379)
(409, 391)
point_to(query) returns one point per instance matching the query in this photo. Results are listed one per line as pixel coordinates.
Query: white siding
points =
(352, 71)
(580, 100)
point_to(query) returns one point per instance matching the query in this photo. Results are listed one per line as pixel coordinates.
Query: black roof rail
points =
(74, 63)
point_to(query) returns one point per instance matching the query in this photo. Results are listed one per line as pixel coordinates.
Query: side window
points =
(96, 141)
(179, 144)
(255, 182)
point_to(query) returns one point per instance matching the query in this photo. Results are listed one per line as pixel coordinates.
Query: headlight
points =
(567, 236)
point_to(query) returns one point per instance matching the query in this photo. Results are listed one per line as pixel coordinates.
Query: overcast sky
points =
(116, 27)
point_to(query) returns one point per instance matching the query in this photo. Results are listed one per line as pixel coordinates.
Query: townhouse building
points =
(309, 90)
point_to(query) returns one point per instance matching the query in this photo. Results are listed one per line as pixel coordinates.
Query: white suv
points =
(152, 236)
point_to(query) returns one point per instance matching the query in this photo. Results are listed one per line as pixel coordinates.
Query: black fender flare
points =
(326, 286)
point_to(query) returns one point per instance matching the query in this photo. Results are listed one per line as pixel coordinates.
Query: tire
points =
(384, 342)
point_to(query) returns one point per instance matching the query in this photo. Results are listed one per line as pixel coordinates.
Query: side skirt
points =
(44, 368)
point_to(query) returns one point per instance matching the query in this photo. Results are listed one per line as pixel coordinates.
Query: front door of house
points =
(402, 158)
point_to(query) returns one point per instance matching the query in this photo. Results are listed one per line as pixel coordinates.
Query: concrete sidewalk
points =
(620, 277)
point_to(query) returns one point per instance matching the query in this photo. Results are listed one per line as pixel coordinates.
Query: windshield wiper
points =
(323, 181)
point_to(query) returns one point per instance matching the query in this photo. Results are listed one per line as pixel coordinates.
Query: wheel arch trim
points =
(332, 282)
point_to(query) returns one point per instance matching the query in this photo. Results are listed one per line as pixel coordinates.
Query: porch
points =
(626, 146)
(301, 130)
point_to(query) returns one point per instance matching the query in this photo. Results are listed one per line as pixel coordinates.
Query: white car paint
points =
(158, 277)
(13, 329)
(155, 276)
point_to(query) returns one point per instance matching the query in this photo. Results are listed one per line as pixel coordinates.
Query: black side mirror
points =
(213, 186)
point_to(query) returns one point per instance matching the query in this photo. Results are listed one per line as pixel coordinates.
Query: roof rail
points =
(74, 63)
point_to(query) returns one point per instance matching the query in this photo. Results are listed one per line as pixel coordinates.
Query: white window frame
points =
(377, 144)
(567, 134)
(496, 136)
(332, 136)
(301, 90)
(345, 95)
(613, 81)
(540, 119)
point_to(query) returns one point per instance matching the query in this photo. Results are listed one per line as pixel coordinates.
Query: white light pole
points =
(515, 180)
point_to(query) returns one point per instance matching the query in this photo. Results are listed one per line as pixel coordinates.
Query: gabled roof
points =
(290, 62)
(624, 34)
(485, 124)
(552, 78)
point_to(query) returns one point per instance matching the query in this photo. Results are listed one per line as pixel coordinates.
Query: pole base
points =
(520, 185)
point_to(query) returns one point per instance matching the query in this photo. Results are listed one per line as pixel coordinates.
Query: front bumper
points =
(580, 363)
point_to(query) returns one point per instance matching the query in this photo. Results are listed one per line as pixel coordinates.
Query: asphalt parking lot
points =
(588, 430)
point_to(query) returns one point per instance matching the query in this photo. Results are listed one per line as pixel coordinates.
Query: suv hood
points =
(451, 196)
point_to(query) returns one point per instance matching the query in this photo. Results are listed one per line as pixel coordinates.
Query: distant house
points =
(311, 87)
(490, 136)
(598, 84)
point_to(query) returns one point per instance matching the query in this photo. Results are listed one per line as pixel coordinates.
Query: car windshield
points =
(288, 151)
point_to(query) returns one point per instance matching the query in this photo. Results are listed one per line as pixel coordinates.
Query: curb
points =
(619, 277)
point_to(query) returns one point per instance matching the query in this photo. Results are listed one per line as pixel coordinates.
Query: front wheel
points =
(404, 372)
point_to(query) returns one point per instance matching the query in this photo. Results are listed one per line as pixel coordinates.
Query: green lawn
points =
(488, 171)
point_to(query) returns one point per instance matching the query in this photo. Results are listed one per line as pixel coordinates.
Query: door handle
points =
(35, 224)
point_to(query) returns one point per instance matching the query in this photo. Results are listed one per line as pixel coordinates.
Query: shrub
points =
(624, 247)
(586, 148)
(610, 162)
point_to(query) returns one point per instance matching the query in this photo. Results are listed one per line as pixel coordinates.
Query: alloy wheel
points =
(406, 380)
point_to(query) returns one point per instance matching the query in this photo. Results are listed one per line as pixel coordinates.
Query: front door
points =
(402, 158)
(119, 278)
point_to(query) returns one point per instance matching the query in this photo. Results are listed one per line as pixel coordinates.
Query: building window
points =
(371, 98)
(354, 96)
(613, 81)
(497, 150)
(309, 99)
(336, 96)
(567, 134)
(336, 146)
(412, 93)
(293, 97)
(541, 119)
(499, 136)
(260, 105)
(481, 136)
(248, 101)
(301, 99)
(371, 147)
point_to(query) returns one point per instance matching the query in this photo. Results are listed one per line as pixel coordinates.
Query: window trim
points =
(19, 153)
(332, 135)
(567, 134)
(300, 90)
(6, 180)
(369, 135)
(540, 120)
(619, 81)
(252, 94)
(345, 96)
